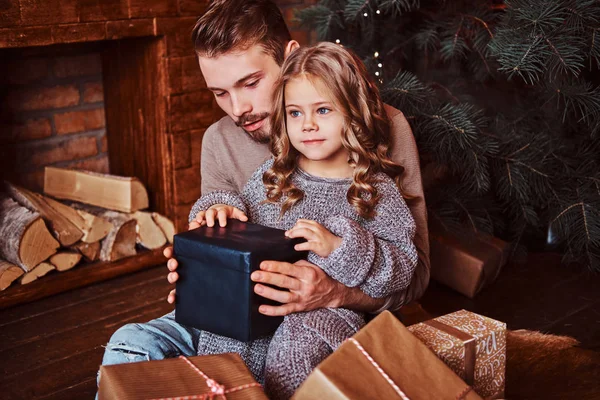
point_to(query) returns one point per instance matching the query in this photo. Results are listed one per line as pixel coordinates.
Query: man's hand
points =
(319, 240)
(309, 287)
(173, 276)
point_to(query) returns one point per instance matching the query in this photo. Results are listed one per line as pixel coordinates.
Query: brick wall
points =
(52, 113)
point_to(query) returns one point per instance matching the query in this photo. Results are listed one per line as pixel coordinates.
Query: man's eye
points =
(220, 94)
(252, 84)
(294, 113)
(323, 110)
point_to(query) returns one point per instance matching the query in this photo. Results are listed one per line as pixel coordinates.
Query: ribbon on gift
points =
(216, 389)
(389, 380)
(467, 340)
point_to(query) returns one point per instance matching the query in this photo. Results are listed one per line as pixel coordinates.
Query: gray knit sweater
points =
(376, 255)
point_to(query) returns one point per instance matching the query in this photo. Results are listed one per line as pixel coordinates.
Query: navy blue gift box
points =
(214, 290)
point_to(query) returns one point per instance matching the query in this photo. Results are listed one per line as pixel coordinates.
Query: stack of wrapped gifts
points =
(457, 356)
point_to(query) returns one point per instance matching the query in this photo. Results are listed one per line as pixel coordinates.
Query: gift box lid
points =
(177, 378)
(237, 241)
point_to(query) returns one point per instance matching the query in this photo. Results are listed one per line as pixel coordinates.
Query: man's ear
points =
(291, 46)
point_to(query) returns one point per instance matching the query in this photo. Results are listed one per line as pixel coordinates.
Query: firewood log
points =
(149, 234)
(65, 260)
(63, 230)
(8, 274)
(120, 241)
(112, 192)
(24, 239)
(39, 271)
(94, 228)
(166, 225)
(90, 251)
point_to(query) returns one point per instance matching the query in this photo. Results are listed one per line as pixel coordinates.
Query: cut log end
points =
(8, 274)
(166, 225)
(149, 234)
(36, 245)
(139, 196)
(124, 242)
(39, 271)
(98, 228)
(65, 260)
(90, 251)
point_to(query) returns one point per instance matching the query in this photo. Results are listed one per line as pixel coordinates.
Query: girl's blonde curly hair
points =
(366, 131)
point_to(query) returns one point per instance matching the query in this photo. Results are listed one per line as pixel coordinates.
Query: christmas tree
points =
(504, 102)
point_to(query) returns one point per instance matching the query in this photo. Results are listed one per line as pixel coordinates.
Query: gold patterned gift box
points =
(472, 345)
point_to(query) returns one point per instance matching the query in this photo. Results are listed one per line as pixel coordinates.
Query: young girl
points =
(331, 182)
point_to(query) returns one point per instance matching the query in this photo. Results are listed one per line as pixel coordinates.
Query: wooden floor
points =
(51, 349)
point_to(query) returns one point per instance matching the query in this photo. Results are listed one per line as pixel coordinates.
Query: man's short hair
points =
(238, 25)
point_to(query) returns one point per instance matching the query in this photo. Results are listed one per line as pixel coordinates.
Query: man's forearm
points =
(354, 299)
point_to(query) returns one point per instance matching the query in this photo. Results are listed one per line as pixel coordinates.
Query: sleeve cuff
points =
(216, 197)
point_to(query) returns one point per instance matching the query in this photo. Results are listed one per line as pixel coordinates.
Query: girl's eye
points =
(252, 84)
(323, 111)
(220, 94)
(294, 113)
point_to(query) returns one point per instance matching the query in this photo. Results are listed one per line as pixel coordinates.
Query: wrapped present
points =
(466, 264)
(472, 345)
(203, 377)
(383, 361)
(214, 290)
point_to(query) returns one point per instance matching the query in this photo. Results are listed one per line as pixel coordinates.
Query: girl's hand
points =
(220, 212)
(319, 240)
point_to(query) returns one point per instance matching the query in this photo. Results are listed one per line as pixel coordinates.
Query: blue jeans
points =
(155, 340)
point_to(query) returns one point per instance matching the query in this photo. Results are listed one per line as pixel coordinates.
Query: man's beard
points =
(259, 135)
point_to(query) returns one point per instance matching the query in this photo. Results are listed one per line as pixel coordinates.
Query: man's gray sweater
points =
(376, 255)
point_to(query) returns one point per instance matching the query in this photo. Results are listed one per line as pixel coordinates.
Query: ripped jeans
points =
(155, 340)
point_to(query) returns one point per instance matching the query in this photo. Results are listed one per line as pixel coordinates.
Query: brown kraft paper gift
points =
(401, 368)
(472, 345)
(466, 265)
(222, 376)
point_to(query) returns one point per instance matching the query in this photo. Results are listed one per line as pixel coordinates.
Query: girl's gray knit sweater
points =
(376, 255)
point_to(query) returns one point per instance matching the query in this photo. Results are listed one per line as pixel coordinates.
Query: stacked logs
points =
(98, 217)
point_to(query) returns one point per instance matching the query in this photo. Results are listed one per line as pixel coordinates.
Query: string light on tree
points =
(337, 41)
(365, 14)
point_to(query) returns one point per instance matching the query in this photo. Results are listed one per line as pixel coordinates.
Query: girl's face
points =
(314, 125)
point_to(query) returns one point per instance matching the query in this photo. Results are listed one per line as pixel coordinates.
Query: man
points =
(241, 45)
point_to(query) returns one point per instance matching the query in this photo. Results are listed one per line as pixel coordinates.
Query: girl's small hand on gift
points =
(220, 212)
(319, 240)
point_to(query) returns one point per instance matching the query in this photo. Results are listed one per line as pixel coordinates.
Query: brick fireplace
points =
(108, 86)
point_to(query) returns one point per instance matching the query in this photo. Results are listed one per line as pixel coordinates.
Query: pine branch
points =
(407, 93)
(516, 56)
(581, 100)
(319, 18)
(355, 9)
(540, 17)
(399, 7)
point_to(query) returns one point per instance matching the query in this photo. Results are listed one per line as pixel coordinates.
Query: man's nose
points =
(240, 105)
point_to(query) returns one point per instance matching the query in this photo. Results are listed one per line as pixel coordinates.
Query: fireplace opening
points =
(51, 111)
